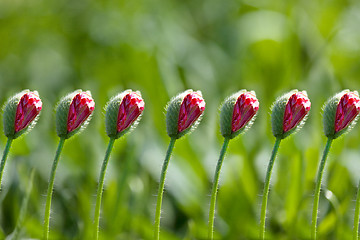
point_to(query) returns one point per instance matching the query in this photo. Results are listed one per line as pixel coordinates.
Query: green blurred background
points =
(163, 47)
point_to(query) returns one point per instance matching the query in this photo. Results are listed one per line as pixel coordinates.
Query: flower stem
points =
(100, 188)
(50, 189)
(266, 188)
(161, 189)
(215, 188)
(356, 217)
(24, 206)
(4, 157)
(318, 187)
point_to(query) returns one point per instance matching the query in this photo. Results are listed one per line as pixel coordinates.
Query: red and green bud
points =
(183, 113)
(289, 113)
(237, 113)
(73, 113)
(191, 108)
(340, 113)
(80, 109)
(28, 108)
(123, 113)
(130, 109)
(347, 110)
(296, 109)
(21, 112)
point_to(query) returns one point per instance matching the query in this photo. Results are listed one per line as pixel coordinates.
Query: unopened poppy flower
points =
(347, 110)
(72, 115)
(237, 113)
(27, 110)
(340, 115)
(183, 113)
(82, 105)
(296, 109)
(130, 109)
(20, 115)
(122, 114)
(289, 113)
(191, 108)
(245, 108)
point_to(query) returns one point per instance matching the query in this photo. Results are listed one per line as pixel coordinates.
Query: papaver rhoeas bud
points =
(296, 109)
(73, 112)
(183, 113)
(340, 113)
(20, 113)
(123, 113)
(131, 107)
(80, 109)
(237, 113)
(347, 109)
(191, 108)
(289, 113)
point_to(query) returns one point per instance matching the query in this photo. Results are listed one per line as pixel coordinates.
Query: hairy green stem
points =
(356, 217)
(50, 189)
(266, 188)
(161, 189)
(215, 188)
(100, 188)
(4, 157)
(318, 187)
(24, 206)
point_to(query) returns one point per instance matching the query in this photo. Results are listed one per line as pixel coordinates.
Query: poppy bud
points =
(237, 113)
(183, 113)
(21, 112)
(123, 112)
(73, 112)
(340, 113)
(289, 113)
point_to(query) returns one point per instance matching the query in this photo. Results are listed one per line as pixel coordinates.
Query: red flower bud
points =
(296, 109)
(245, 108)
(191, 108)
(346, 111)
(28, 108)
(130, 109)
(82, 105)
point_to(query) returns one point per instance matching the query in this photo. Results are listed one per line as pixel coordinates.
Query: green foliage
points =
(161, 48)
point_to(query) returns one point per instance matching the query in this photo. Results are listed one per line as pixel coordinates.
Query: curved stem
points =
(356, 217)
(266, 188)
(50, 189)
(100, 188)
(318, 187)
(24, 206)
(215, 188)
(161, 189)
(4, 157)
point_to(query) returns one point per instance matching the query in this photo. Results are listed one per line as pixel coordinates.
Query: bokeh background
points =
(163, 47)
